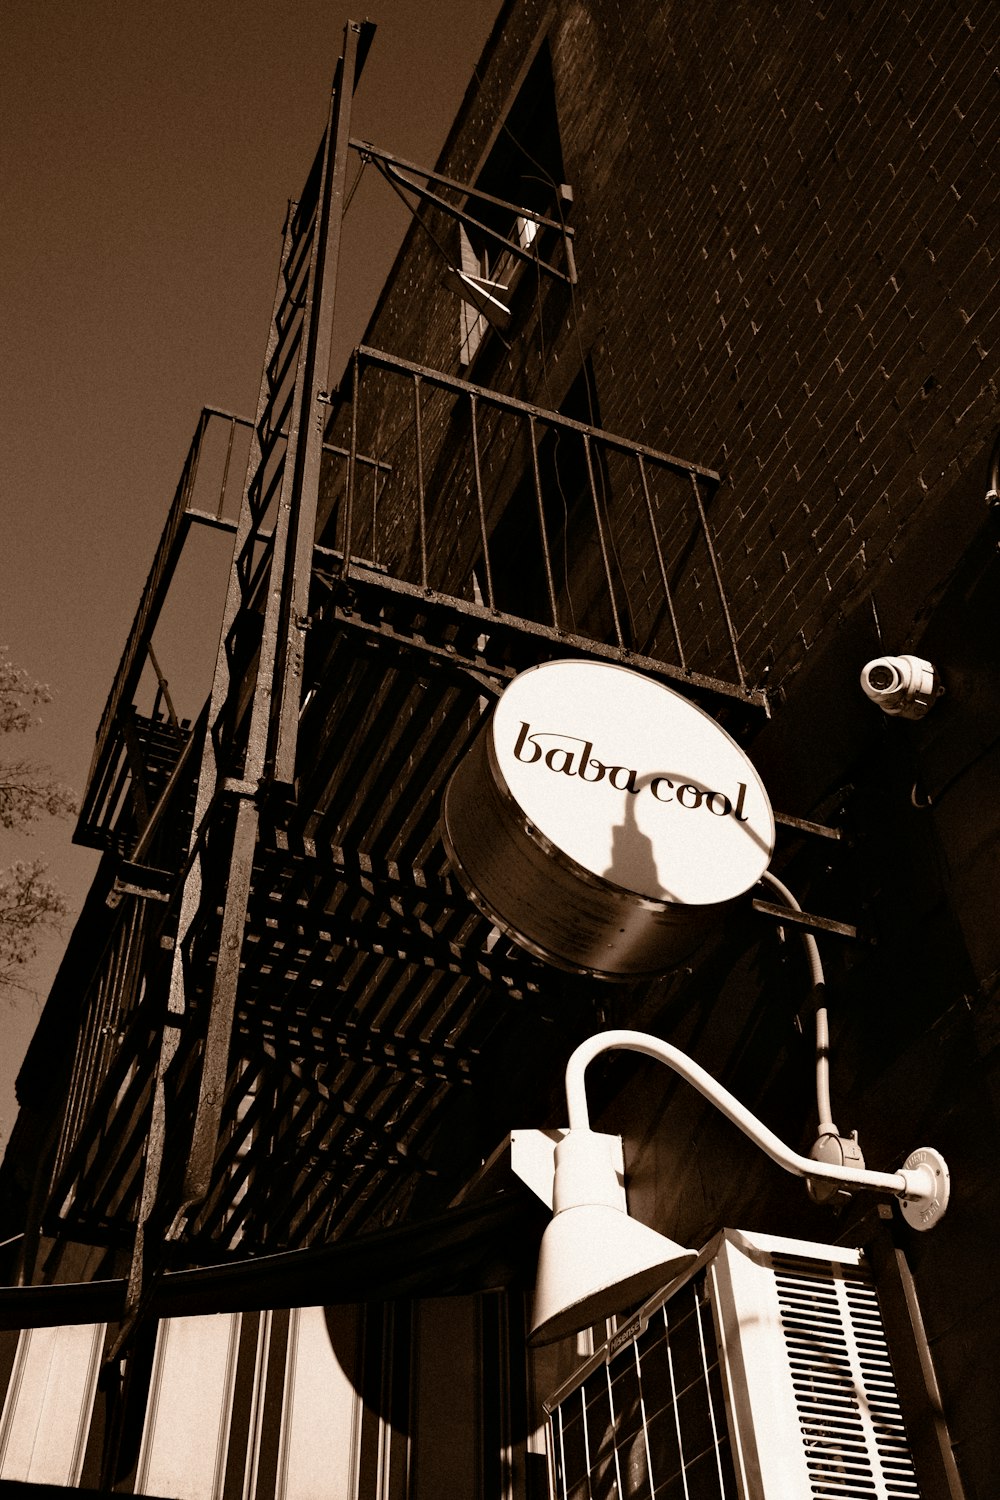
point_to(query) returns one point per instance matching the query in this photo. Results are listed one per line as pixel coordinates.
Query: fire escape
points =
(293, 998)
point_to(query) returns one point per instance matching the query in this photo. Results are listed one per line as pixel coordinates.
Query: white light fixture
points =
(595, 1261)
(591, 1234)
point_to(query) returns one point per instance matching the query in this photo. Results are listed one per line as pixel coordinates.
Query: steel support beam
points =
(306, 462)
(279, 653)
(287, 604)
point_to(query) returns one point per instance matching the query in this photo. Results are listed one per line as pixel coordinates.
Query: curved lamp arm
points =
(922, 1183)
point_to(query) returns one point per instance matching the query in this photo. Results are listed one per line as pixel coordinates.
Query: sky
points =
(147, 154)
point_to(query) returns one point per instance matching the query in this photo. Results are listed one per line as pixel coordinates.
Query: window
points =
(525, 168)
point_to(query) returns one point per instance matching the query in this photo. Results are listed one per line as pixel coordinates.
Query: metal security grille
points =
(762, 1375)
(651, 1420)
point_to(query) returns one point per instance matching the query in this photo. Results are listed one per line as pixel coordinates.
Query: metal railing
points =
(535, 514)
(204, 495)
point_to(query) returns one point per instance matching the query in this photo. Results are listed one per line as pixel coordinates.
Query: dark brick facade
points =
(785, 224)
(785, 227)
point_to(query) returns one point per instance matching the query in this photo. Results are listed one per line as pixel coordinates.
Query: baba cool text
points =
(583, 764)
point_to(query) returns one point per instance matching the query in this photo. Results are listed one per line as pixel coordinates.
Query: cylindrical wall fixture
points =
(602, 820)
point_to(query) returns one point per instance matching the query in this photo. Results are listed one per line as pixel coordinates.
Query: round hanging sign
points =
(601, 818)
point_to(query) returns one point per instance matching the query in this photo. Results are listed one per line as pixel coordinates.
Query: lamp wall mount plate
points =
(533, 1160)
(930, 1165)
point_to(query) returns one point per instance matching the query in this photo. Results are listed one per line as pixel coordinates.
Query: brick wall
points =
(786, 224)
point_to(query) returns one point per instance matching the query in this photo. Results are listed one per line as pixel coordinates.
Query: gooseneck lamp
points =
(595, 1260)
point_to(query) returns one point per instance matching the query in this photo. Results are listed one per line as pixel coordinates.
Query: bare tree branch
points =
(29, 903)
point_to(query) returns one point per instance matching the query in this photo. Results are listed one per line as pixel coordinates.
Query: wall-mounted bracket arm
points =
(922, 1183)
(400, 173)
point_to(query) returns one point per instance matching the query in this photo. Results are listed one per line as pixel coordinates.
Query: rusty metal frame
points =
(314, 400)
(393, 169)
(279, 672)
(641, 455)
(113, 730)
(783, 914)
(300, 424)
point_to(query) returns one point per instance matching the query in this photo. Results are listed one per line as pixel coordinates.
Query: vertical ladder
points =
(256, 690)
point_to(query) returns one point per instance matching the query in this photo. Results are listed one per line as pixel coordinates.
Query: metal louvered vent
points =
(761, 1374)
(845, 1395)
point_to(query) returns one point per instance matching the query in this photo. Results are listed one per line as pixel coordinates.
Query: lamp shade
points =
(594, 1260)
